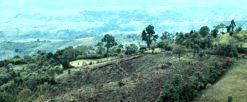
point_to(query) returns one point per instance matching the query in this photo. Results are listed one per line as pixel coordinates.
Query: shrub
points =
(69, 72)
(182, 89)
(242, 50)
(3, 63)
(177, 91)
(214, 33)
(143, 49)
(179, 50)
(91, 56)
(131, 49)
(121, 55)
(35, 79)
(6, 75)
(226, 50)
(167, 45)
(239, 29)
(28, 59)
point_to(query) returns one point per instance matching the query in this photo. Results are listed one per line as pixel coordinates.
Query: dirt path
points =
(234, 84)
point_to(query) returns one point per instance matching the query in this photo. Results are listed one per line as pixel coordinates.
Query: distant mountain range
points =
(72, 24)
(24, 32)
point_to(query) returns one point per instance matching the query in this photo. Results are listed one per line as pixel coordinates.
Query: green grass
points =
(226, 38)
(223, 39)
(233, 84)
(85, 62)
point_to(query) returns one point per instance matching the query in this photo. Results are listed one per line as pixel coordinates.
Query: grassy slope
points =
(85, 62)
(232, 84)
(226, 38)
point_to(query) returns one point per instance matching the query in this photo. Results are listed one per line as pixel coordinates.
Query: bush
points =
(37, 79)
(239, 29)
(182, 89)
(226, 50)
(143, 49)
(167, 45)
(4, 63)
(6, 75)
(121, 55)
(173, 90)
(131, 49)
(242, 50)
(179, 50)
(91, 56)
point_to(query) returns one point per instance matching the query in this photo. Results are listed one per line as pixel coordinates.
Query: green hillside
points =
(232, 84)
(147, 67)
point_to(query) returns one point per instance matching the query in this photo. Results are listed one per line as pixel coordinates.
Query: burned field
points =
(146, 77)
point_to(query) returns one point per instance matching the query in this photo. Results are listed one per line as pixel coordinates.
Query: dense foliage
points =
(149, 36)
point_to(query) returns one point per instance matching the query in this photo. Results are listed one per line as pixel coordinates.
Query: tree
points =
(110, 42)
(196, 49)
(148, 35)
(215, 32)
(228, 29)
(166, 36)
(64, 57)
(179, 38)
(120, 48)
(195, 39)
(204, 31)
(165, 44)
(229, 50)
(220, 27)
(131, 49)
(232, 26)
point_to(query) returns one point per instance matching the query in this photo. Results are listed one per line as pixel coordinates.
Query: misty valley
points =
(123, 51)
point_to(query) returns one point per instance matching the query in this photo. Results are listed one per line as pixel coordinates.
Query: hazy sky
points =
(37, 14)
(88, 4)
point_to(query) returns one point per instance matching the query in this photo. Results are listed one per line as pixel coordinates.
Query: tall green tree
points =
(204, 31)
(148, 35)
(109, 41)
(232, 25)
(195, 39)
(64, 56)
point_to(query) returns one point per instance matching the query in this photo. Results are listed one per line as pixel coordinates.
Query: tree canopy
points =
(109, 42)
(204, 31)
(148, 35)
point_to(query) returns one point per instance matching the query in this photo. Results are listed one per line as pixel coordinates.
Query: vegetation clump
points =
(149, 36)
